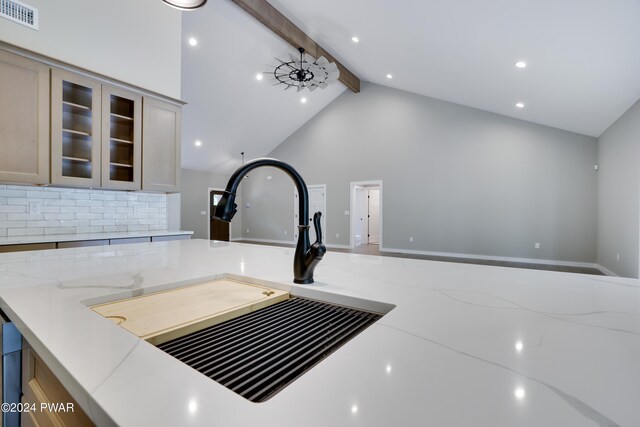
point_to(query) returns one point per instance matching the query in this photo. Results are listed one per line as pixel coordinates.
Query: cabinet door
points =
(161, 146)
(24, 120)
(121, 139)
(75, 129)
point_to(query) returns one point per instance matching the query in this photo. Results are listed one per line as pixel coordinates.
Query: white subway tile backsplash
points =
(25, 216)
(13, 193)
(79, 196)
(102, 209)
(17, 201)
(103, 222)
(13, 208)
(60, 230)
(103, 197)
(95, 203)
(115, 228)
(138, 228)
(25, 231)
(61, 202)
(43, 195)
(50, 209)
(74, 209)
(69, 211)
(13, 224)
(89, 229)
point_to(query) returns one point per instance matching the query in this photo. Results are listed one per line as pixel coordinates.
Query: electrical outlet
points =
(617, 257)
(247, 231)
(337, 235)
(346, 212)
(411, 238)
(285, 232)
(537, 245)
(34, 208)
(269, 178)
(203, 212)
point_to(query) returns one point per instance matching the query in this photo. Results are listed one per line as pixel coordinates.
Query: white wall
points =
(135, 41)
(619, 195)
(457, 179)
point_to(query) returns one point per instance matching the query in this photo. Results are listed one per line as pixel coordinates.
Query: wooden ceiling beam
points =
(268, 15)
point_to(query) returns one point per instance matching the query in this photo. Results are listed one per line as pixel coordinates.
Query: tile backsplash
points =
(52, 210)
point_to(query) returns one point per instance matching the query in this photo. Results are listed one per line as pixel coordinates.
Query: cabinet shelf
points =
(74, 105)
(76, 159)
(121, 141)
(76, 132)
(119, 116)
(121, 165)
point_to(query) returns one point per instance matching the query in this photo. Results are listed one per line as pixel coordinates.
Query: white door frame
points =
(209, 212)
(324, 212)
(352, 222)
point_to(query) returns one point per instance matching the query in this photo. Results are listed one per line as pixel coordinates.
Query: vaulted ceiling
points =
(582, 64)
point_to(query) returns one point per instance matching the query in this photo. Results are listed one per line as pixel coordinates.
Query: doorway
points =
(317, 203)
(366, 214)
(218, 230)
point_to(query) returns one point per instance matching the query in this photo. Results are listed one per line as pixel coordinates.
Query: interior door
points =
(219, 230)
(373, 197)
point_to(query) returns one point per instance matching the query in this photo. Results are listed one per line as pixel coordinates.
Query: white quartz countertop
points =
(466, 345)
(52, 238)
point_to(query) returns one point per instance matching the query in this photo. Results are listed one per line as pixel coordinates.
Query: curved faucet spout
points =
(307, 256)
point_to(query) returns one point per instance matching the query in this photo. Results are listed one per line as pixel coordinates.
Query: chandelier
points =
(305, 73)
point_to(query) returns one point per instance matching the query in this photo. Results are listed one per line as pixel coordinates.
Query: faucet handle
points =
(317, 226)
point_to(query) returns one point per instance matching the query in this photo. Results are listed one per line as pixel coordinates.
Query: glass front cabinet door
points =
(75, 129)
(121, 139)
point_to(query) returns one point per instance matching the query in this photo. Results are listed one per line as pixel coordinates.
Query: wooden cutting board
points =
(162, 316)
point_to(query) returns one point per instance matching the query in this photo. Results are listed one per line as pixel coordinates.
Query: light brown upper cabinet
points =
(160, 146)
(24, 120)
(121, 139)
(75, 129)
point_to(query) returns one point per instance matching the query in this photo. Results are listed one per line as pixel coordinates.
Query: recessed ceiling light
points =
(193, 41)
(198, 143)
(355, 39)
(389, 76)
(519, 393)
(521, 64)
(259, 76)
(520, 105)
(303, 100)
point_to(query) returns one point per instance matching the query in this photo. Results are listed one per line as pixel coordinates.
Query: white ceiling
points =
(228, 109)
(583, 64)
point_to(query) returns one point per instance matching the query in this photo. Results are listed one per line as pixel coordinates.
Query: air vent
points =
(20, 13)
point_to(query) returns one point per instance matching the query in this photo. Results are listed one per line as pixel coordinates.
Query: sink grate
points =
(260, 353)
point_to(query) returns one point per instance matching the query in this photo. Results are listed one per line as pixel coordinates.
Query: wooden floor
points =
(374, 250)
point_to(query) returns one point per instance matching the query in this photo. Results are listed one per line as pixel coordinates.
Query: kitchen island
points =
(465, 345)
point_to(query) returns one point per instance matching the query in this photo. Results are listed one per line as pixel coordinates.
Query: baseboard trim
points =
(286, 242)
(606, 271)
(279, 242)
(494, 258)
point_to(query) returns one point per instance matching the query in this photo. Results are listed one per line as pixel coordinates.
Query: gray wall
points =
(194, 198)
(457, 179)
(618, 194)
